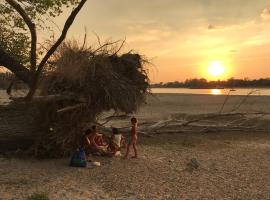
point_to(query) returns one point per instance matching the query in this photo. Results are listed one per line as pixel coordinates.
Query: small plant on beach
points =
(38, 196)
(188, 142)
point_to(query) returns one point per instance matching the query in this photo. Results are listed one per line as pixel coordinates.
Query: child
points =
(96, 139)
(85, 141)
(133, 140)
(92, 142)
(117, 141)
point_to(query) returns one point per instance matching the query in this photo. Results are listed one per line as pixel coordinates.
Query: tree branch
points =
(14, 66)
(54, 47)
(32, 28)
(120, 47)
(68, 108)
(62, 36)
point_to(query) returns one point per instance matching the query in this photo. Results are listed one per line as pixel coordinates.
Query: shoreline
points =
(231, 95)
(216, 92)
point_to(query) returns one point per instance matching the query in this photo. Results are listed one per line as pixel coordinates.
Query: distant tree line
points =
(203, 83)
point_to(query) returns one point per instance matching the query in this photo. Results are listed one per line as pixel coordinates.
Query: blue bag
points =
(78, 159)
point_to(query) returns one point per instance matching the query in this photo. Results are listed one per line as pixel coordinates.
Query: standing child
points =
(133, 140)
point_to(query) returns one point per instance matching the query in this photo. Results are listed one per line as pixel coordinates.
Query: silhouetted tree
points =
(18, 35)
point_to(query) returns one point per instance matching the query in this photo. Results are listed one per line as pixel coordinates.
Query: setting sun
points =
(216, 69)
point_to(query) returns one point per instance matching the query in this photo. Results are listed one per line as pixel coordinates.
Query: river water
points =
(240, 91)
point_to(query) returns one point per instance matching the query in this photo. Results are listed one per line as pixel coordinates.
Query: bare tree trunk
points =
(14, 66)
(67, 25)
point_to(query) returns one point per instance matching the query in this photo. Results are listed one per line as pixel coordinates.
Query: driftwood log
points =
(211, 122)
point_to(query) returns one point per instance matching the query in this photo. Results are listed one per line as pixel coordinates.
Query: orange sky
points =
(183, 37)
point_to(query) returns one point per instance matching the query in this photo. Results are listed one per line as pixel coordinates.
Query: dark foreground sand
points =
(232, 165)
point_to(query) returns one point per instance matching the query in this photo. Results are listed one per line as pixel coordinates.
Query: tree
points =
(102, 79)
(20, 21)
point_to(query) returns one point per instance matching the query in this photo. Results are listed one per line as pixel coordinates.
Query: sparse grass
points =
(38, 196)
(189, 142)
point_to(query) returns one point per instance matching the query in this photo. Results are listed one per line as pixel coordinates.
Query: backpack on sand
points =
(78, 159)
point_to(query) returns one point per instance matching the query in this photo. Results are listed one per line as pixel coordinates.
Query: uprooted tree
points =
(101, 81)
(76, 85)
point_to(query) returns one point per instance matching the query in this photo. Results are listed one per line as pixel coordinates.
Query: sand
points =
(232, 165)
(161, 106)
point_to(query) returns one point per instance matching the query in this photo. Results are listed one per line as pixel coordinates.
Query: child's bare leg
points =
(135, 151)
(128, 149)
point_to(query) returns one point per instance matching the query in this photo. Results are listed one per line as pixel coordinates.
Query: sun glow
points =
(216, 69)
(216, 92)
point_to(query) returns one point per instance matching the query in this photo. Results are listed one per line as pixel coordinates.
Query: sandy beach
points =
(134, 100)
(161, 106)
(230, 165)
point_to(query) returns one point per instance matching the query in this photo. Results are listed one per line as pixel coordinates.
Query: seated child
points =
(97, 145)
(85, 141)
(117, 141)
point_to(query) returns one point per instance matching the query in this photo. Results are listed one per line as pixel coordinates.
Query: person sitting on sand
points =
(98, 140)
(134, 138)
(85, 141)
(116, 142)
(97, 145)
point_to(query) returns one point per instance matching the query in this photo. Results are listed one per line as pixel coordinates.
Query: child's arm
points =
(93, 142)
(87, 140)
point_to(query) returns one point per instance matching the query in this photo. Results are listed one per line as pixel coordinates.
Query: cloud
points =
(265, 15)
(214, 27)
(231, 27)
(233, 51)
(148, 32)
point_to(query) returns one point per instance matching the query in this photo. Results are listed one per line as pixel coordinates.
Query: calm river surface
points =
(240, 91)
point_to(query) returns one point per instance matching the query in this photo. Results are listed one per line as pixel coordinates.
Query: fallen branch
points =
(61, 97)
(68, 108)
(178, 125)
(244, 100)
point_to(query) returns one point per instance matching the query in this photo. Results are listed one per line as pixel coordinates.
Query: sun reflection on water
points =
(216, 91)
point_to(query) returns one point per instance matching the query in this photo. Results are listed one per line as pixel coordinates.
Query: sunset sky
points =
(182, 38)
